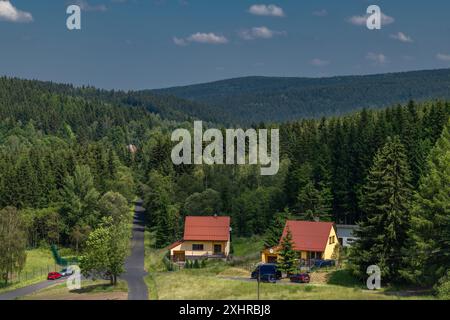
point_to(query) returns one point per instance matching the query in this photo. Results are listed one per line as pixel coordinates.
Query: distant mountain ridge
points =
(276, 99)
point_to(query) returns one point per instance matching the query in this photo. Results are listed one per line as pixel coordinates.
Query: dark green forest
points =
(261, 99)
(64, 151)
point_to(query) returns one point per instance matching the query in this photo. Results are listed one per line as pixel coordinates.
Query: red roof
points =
(207, 228)
(176, 243)
(308, 235)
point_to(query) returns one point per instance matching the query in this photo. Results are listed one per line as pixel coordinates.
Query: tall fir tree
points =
(288, 256)
(430, 230)
(385, 201)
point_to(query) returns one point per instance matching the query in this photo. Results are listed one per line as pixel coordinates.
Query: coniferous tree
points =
(275, 229)
(386, 203)
(431, 217)
(288, 256)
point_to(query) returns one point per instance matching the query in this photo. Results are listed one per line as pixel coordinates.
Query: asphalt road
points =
(12, 295)
(134, 265)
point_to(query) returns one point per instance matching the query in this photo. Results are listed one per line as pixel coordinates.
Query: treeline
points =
(60, 155)
(331, 158)
(278, 99)
(324, 166)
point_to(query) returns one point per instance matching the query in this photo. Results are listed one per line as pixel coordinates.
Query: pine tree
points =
(288, 256)
(386, 204)
(275, 229)
(431, 216)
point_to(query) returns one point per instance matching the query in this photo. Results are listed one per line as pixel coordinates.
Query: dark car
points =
(54, 276)
(266, 272)
(324, 263)
(300, 278)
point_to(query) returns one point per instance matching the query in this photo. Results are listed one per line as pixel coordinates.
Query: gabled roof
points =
(308, 235)
(175, 244)
(207, 228)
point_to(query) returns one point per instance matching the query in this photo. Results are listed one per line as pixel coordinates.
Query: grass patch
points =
(39, 262)
(202, 286)
(247, 246)
(153, 257)
(343, 278)
(90, 290)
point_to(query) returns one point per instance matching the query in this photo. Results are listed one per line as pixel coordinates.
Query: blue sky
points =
(143, 44)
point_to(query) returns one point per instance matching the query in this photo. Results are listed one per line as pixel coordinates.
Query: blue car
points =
(266, 272)
(324, 263)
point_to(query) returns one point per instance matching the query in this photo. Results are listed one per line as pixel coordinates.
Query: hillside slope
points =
(255, 99)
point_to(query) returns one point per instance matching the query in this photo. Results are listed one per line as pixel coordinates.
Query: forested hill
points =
(261, 99)
(21, 93)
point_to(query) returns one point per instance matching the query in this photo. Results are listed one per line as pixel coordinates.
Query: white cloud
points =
(201, 37)
(86, 6)
(320, 13)
(443, 57)
(210, 38)
(377, 58)
(179, 42)
(400, 36)
(362, 20)
(266, 10)
(319, 62)
(10, 13)
(259, 33)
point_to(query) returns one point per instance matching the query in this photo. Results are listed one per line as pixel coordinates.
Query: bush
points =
(203, 264)
(168, 264)
(196, 265)
(443, 287)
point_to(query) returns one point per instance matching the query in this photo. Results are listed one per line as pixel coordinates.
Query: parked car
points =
(324, 263)
(66, 272)
(267, 272)
(54, 276)
(300, 278)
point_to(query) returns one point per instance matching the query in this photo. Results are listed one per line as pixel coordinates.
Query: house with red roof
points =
(204, 237)
(311, 239)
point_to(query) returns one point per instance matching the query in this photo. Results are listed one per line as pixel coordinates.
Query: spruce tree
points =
(385, 201)
(288, 256)
(431, 216)
(275, 229)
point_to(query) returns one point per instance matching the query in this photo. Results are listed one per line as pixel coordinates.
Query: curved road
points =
(15, 294)
(134, 265)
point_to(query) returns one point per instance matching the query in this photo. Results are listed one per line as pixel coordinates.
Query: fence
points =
(34, 274)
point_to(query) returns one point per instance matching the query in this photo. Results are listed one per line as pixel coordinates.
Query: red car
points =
(300, 278)
(54, 276)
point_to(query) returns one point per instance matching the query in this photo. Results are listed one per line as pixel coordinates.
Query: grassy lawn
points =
(90, 290)
(213, 283)
(230, 281)
(39, 262)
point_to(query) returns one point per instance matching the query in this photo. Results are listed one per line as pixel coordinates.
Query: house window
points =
(197, 247)
(331, 240)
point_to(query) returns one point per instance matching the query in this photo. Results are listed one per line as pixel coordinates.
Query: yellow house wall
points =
(208, 248)
(329, 249)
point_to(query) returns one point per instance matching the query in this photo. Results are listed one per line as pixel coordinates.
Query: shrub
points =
(443, 287)
(196, 265)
